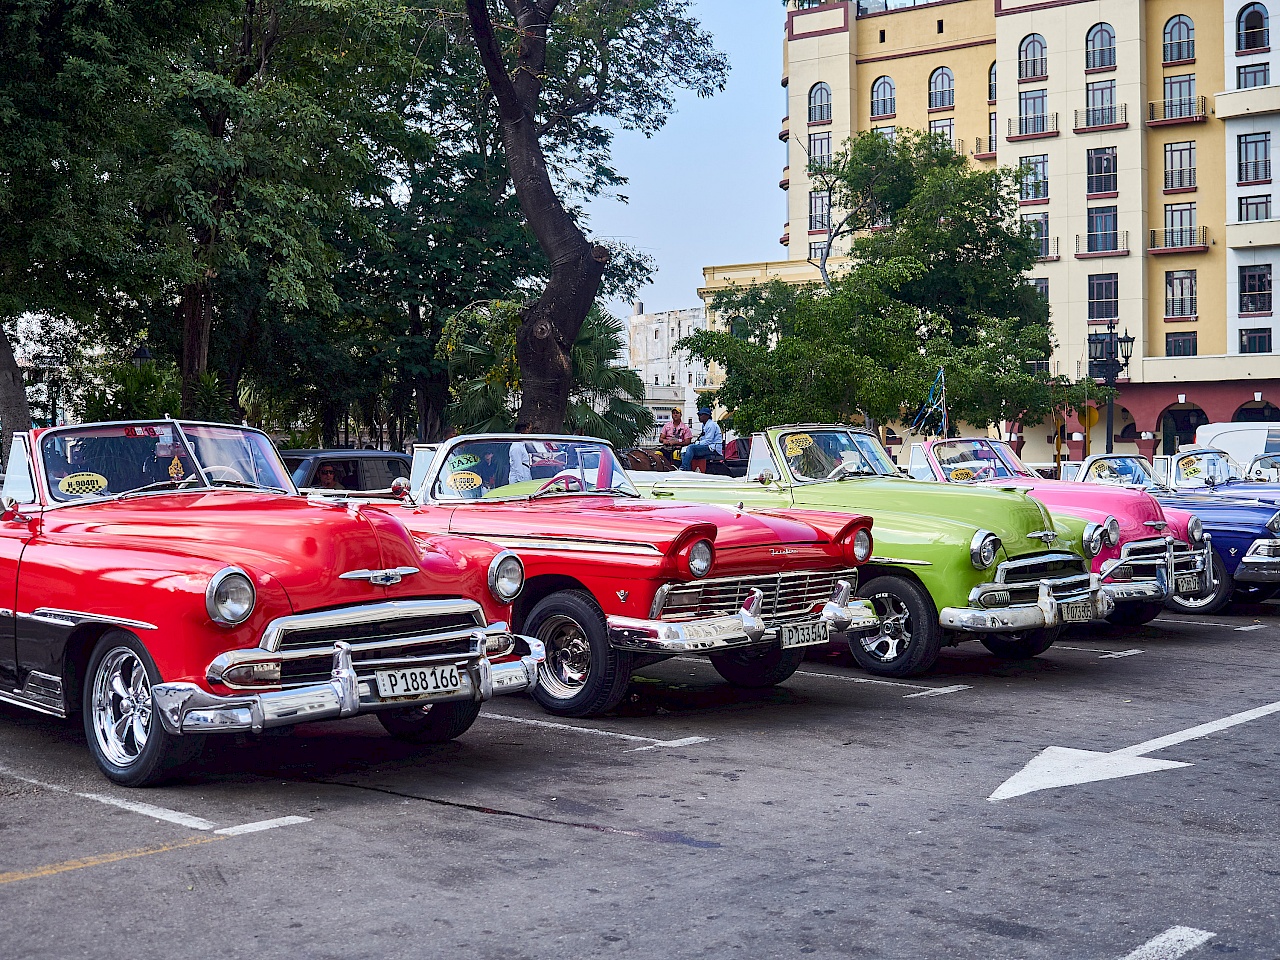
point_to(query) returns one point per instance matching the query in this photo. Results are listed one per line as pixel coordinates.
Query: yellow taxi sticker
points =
(798, 442)
(463, 480)
(961, 474)
(1190, 468)
(80, 484)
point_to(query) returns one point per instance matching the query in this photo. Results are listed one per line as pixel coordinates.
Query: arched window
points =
(819, 103)
(883, 101)
(1100, 47)
(991, 83)
(942, 88)
(1251, 28)
(1033, 57)
(1179, 39)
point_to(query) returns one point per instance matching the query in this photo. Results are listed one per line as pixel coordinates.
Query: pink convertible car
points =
(1147, 553)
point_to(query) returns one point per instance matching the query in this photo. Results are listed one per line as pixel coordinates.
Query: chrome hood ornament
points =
(380, 578)
(1044, 536)
(1156, 524)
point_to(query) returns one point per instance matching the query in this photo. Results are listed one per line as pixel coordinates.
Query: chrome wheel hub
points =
(568, 663)
(121, 706)
(895, 629)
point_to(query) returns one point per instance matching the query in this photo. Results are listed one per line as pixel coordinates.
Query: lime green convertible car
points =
(950, 564)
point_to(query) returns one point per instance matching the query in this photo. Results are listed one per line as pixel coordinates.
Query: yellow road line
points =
(51, 869)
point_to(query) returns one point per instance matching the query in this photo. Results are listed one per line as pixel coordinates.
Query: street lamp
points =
(1109, 357)
(141, 356)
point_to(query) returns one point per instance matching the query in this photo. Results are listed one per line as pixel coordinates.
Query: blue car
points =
(1210, 470)
(1245, 532)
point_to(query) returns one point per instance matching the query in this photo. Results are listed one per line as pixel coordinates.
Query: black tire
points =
(1021, 646)
(583, 675)
(119, 756)
(910, 635)
(1214, 599)
(758, 666)
(433, 723)
(1132, 614)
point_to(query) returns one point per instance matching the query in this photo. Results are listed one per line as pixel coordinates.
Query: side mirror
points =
(766, 476)
(8, 509)
(400, 488)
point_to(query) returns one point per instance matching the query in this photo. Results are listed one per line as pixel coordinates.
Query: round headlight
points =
(1274, 524)
(700, 557)
(1195, 530)
(230, 597)
(983, 549)
(1112, 532)
(506, 576)
(862, 546)
(1093, 540)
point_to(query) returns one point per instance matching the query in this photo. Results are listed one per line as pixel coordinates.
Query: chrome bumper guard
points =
(842, 613)
(1045, 612)
(1159, 576)
(1261, 564)
(187, 708)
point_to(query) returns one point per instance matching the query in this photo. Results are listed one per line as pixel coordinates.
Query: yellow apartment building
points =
(1145, 128)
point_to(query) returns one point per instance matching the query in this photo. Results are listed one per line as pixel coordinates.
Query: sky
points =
(704, 189)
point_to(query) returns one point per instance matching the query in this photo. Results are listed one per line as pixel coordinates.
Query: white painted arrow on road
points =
(1064, 767)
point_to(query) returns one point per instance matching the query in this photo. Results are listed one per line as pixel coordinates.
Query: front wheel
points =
(582, 675)
(126, 738)
(433, 723)
(1021, 646)
(758, 666)
(1132, 614)
(910, 635)
(1212, 600)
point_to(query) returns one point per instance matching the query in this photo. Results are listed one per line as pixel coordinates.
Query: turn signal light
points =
(253, 674)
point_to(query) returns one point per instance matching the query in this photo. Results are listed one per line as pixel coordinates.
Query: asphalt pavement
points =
(1115, 799)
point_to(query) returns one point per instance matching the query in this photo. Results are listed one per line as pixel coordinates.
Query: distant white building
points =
(671, 377)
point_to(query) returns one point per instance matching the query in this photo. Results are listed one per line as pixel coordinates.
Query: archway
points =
(1256, 411)
(1178, 426)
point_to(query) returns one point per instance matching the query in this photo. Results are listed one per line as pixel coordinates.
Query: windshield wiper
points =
(248, 484)
(158, 485)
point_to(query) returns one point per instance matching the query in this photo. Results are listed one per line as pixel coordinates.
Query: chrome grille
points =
(1067, 574)
(1186, 558)
(785, 594)
(1144, 551)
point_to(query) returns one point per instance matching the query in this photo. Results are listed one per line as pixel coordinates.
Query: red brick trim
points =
(1250, 53)
(1033, 202)
(1098, 254)
(946, 109)
(930, 50)
(1109, 195)
(820, 123)
(817, 233)
(1178, 63)
(1192, 319)
(1253, 183)
(1254, 316)
(1039, 79)
(887, 116)
(1032, 136)
(1101, 127)
(1180, 190)
(1201, 118)
(1110, 69)
(793, 15)
(985, 156)
(1160, 251)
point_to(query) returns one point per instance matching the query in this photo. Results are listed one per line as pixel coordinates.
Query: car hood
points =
(1223, 513)
(1240, 490)
(305, 546)
(1139, 514)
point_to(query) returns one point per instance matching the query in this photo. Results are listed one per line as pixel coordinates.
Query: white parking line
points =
(938, 691)
(1173, 943)
(1192, 623)
(1252, 626)
(1105, 654)
(261, 825)
(652, 742)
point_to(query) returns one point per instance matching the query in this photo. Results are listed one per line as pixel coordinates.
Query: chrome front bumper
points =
(1162, 581)
(1045, 612)
(188, 708)
(1258, 567)
(842, 614)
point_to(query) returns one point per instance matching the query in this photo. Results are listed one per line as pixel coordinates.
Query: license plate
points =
(1077, 611)
(805, 634)
(420, 682)
(1188, 583)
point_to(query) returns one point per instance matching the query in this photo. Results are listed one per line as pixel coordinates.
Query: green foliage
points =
(121, 391)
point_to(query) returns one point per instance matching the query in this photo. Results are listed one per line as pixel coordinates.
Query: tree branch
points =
(491, 57)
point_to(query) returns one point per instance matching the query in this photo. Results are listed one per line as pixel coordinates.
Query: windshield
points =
(506, 468)
(1120, 470)
(830, 454)
(94, 462)
(1206, 468)
(1266, 467)
(963, 460)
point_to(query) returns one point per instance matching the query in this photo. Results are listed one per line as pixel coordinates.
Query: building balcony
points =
(785, 134)
(1250, 101)
(1033, 68)
(1252, 41)
(1112, 243)
(984, 148)
(1179, 51)
(1253, 171)
(1100, 59)
(1111, 117)
(1033, 126)
(1254, 233)
(1101, 186)
(1033, 192)
(884, 109)
(785, 182)
(1180, 308)
(1048, 249)
(1255, 304)
(942, 99)
(785, 239)
(1179, 240)
(1162, 113)
(1181, 180)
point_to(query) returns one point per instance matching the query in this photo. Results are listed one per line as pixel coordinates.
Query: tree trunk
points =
(15, 413)
(550, 326)
(197, 324)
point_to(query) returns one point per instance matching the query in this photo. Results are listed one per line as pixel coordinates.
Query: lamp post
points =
(1109, 357)
(140, 356)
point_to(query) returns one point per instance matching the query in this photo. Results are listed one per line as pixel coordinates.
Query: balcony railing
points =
(1100, 58)
(1033, 68)
(1179, 51)
(1106, 116)
(1048, 248)
(1179, 238)
(1182, 178)
(1104, 309)
(942, 98)
(1179, 306)
(1256, 39)
(820, 113)
(1184, 108)
(1109, 241)
(1034, 190)
(1033, 124)
(1255, 302)
(1251, 171)
(884, 107)
(983, 145)
(1102, 183)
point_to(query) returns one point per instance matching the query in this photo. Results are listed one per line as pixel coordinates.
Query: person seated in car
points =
(327, 477)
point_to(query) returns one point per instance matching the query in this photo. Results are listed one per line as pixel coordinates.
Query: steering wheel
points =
(565, 478)
(985, 472)
(221, 472)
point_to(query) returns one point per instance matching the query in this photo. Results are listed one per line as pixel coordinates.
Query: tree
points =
(553, 66)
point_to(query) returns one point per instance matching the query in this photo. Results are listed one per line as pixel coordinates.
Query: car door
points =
(18, 522)
(379, 472)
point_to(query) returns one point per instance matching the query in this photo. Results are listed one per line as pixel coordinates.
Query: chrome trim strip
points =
(77, 617)
(901, 562)
(18, 700)
(380, 578)
(563, 543)
(367, 613)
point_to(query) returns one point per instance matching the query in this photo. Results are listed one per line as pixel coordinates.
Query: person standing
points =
(711, 441)
(675, 434)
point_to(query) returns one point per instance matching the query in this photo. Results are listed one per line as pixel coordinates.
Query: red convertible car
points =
(616, 582)
(164, 580)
